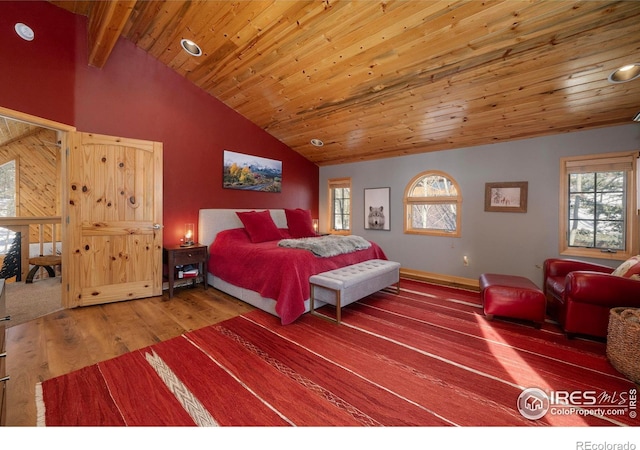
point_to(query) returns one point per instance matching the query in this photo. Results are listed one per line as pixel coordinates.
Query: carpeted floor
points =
(424, 357)
(29, 301)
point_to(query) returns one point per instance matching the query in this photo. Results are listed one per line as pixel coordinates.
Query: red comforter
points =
(278, 273)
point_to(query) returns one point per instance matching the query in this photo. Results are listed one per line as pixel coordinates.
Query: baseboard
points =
(437, 278)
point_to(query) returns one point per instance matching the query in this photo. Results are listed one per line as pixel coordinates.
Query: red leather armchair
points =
(580, 294)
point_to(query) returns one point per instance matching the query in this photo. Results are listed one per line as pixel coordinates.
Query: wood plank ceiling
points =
(376, 79)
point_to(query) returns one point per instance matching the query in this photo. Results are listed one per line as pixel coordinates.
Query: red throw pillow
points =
(299, 223)
(259, 226)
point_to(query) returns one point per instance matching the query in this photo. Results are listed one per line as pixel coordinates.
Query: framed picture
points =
(251, 173)
(376, 209)
(506, 197)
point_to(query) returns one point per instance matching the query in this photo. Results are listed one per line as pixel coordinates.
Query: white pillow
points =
(629, 269)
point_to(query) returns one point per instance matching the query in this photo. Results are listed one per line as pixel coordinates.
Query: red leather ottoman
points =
(512, 296)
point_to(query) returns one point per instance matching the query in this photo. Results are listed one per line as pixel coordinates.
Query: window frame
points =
(16, 190)
(339, 183)
(606, 162)
(410, 201)
(9, 234)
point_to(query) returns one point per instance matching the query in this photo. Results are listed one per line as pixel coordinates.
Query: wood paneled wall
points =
(38, 177)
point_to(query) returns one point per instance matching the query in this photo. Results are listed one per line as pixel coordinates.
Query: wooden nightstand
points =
(182, 256)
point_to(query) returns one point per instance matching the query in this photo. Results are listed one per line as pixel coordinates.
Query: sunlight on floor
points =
(519, 370)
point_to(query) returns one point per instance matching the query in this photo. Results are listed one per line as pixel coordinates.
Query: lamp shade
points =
(189, 233)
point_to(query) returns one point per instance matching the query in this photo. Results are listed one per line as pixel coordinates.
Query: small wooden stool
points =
(48, 262)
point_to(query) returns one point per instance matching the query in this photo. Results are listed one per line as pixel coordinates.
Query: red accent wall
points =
(38, 77)
(137, 97)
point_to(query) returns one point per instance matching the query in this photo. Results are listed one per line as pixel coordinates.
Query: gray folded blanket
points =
(326, 246)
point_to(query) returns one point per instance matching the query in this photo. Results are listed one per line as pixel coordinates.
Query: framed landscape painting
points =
(251, 173)
(506, 197)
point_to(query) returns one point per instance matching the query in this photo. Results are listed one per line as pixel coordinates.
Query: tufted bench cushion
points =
(346, 285)
(512, 296)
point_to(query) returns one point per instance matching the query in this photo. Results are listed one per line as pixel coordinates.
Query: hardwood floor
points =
(68, 340)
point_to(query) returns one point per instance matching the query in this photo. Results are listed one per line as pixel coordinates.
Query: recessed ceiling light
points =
(317, 142)
(191, 47)
(625, 73)
(24, 31)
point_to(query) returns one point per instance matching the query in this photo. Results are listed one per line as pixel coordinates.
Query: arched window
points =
(432, 203)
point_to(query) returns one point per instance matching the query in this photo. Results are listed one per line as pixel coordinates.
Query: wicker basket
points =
(623, 341)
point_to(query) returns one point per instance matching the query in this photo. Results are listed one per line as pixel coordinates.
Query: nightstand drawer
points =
(189, 256)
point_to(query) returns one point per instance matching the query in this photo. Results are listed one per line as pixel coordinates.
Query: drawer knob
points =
(3, 355)
(3, 379)
(5, 318)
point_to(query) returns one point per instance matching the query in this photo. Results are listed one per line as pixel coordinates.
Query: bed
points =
(264, 274)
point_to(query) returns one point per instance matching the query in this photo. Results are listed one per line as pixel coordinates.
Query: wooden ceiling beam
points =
(106, 22)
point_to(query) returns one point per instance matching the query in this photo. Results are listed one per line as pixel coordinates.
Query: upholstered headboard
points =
(213, 221)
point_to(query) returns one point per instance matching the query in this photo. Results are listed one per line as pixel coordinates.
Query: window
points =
(432, 205)
(598, 217)
(7, 202)
(340, 205)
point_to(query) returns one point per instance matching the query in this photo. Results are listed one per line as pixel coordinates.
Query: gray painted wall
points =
(495, 242)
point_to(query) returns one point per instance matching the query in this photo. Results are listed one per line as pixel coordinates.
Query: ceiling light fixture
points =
(317, 142)
(24, 31)
(191, 47)
(625, 73)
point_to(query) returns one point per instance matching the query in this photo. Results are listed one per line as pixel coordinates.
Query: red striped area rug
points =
(423, 357)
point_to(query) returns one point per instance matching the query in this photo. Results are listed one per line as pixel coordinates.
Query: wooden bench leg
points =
(34, 269)
(311, 305)
(338, 307)
(311, 299)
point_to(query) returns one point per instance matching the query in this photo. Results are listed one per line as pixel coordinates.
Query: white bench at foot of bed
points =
(346, 285)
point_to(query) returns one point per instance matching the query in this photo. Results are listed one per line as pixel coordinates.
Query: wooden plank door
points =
(112, 219)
